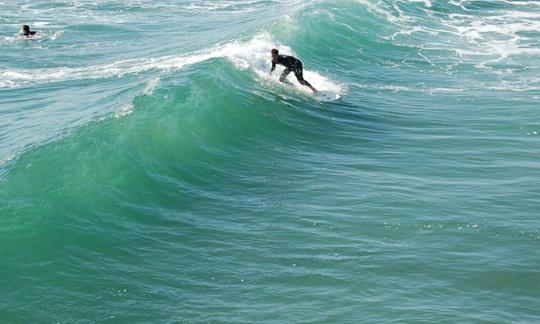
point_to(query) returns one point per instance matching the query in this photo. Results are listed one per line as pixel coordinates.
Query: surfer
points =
(26, 31)
(292, 64)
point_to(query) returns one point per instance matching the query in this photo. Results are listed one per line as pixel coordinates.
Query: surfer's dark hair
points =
(26, 28)
(275, 51)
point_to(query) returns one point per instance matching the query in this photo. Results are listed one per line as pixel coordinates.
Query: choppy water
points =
(151, 170)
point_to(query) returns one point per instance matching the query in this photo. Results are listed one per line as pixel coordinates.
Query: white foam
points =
(498, 30)
(150, 87)
(245, 5)
(485, 39)
(124, 110)
(8, 158)
(427, 3)
(379, 9)
(17, 78)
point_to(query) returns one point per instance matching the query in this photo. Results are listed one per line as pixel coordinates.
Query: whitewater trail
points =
(252, 54)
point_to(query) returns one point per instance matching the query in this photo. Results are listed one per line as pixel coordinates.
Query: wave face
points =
(151, 170)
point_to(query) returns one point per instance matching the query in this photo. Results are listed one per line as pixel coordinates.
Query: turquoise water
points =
(152, 171)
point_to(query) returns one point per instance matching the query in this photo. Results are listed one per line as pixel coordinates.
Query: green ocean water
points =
(152, 171)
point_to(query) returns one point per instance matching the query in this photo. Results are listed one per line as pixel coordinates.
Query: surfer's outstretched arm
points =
(273, 67)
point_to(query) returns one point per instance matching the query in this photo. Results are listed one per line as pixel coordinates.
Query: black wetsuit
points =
(292, 64)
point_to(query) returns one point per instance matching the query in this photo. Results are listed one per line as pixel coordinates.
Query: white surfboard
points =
(327, 95)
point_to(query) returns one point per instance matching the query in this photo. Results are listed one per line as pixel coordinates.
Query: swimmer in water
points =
(25, 31)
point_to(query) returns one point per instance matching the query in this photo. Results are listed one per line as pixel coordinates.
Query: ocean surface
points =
(152, 171)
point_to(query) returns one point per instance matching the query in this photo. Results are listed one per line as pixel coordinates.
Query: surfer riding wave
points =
(292, 64)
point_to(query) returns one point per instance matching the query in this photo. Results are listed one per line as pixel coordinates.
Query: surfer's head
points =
(275, 54)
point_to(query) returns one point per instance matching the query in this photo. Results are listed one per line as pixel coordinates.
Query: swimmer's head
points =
(26, 29)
